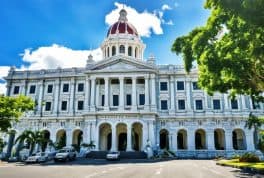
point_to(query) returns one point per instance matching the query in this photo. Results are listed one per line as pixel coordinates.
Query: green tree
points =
(12, 108)
(255, 123)
(229, 49)
(32, 138)
(61, 142)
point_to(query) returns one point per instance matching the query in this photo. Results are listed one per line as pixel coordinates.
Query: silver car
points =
(65, 154)
(37, 158)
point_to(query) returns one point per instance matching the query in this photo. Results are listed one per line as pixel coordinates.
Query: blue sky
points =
(36, 31)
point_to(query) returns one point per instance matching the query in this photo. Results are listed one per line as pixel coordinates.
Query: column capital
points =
(121, 77)
(93, 77)
(134, 77)
(152, 76)
(146, 77)
(171, 78)
(106, 78)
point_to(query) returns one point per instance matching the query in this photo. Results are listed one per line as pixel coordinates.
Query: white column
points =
(40, 96)
(92, 93)
(228, 139)
(188, 96)
(146, 107)
(56, 98)
(68, 137)
(210, 139)
(174, 143)
(243, 100)
(86, 133)
(191, 139)
(86, 94)
(144, 136)
(113, 138)
(106, 103)
(121, 93)
(24, 88)
(71, 109)
(153, 93)
(172, 96)
(97, 95)
(226, 100)
(151, 132)
(129, 140)
(250, 140)
(134, 93)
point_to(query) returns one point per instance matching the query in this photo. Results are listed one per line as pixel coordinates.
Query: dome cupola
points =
(123, 40)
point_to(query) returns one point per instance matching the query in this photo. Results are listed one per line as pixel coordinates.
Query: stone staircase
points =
(123, 155)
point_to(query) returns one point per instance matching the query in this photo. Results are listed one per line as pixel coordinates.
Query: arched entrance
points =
(77, 138)
(121, 130)
(46, 136)
(182, 139)
(239, 139)
(137, 136)
(219, 139)
(61, 139)
(164, 139)
(200, 139)
(105, 137)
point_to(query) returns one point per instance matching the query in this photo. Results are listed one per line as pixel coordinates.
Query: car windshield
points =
(34, 154)
(62, 151)
(113, 152)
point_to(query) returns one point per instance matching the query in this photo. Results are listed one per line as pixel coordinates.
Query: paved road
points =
(123, 169)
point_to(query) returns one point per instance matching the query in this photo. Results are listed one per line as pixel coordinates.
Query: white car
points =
(113, 155)
(37, 158)
(65, 154)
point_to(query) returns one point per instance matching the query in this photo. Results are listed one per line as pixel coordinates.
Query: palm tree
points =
(32, 138)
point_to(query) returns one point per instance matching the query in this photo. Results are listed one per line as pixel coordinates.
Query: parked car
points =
(37, 158)
(65, 154)
(113, 155)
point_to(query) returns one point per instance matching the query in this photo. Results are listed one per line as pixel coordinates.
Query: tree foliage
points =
(12, 108)
(229, 49)
(31, 138)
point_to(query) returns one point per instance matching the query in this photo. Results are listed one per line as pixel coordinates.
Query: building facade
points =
(126, 103)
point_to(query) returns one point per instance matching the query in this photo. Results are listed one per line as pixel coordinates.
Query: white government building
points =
(126, 103)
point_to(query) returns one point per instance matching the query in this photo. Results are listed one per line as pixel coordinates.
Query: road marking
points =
(158, 171)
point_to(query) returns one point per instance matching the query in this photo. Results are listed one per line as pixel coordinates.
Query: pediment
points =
(121, 65)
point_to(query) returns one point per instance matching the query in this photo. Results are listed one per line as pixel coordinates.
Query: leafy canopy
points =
(229, 49)
(12, 108)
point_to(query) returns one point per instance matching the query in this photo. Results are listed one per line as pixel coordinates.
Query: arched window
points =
(129, 51)
(122, 49)
(136, 52)
(107, 51)
(113, 51)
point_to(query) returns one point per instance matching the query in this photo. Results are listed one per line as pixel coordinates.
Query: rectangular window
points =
(64, 105)
(80, 105)
(128, 100)
(199, 104)
(32, 89)
(65, 87)
(48, 106)
(50, 88)
(163, 86)
(195, 86)
(115, 100)
(103, 100)
(80, 87)
(16, 90)
(216, 104)
(141, 99)
(164, 104)
(180, 85)
(181, 104)
(234, 104)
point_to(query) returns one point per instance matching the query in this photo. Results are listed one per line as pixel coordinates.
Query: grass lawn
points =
(235, 163)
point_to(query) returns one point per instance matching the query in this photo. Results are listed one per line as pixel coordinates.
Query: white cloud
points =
(176, 4)
(50, 57)
(166, 7)
(3, 73)
(145, 22)
(170, 22)
(54, 56)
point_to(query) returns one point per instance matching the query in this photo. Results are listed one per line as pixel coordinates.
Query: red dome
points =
(122, 26)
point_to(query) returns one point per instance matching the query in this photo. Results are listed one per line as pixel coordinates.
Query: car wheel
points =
(67, 159)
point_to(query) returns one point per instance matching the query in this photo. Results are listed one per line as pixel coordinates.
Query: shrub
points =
(249, 157)
(235, 157)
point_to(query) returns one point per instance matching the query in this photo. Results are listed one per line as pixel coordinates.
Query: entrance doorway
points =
(122, 142)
